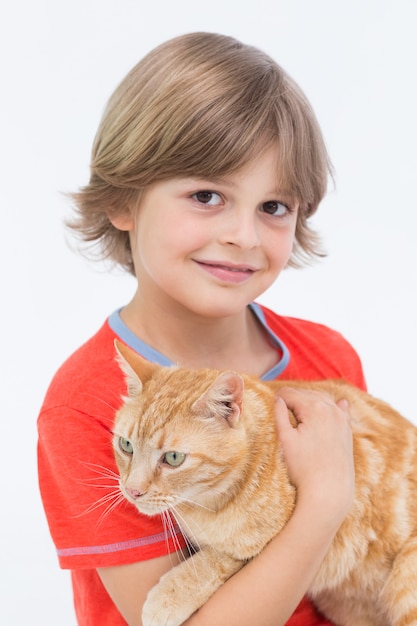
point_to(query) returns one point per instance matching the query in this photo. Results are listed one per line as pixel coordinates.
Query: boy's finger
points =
(282, 415)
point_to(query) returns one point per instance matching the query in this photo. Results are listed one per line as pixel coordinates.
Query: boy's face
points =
(213, 246)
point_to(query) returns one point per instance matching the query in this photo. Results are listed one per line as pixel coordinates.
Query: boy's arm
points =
(265, 592)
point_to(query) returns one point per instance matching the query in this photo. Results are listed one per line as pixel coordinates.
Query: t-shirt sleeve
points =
(91, 523)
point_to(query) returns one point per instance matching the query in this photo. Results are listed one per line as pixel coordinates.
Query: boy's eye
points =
(275, 208)
(207, 197)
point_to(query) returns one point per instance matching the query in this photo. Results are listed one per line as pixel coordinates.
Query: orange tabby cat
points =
(202, 445)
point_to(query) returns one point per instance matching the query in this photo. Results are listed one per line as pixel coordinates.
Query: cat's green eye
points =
(125, 446)
(174, 458)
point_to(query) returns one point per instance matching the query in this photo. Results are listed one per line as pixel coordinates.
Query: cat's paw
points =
(184, 589)
(165, 606)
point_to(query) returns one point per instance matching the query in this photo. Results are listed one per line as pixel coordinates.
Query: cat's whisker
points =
(192, 542)
(98, 483)
(108, 497)
(191, 548)
(118, 501)
(201, 506)
(173, 500)
(170, 530)
(112, 500)
(190, 545)
(101, 473)
(110, 406)
(191, 533)
(100, 469)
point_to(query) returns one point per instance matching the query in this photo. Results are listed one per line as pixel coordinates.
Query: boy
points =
(205, 169)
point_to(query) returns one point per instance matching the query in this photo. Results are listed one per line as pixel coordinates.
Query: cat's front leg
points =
(185, 588)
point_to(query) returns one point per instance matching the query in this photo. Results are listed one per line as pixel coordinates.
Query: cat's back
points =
(369, 415)
(385, 443)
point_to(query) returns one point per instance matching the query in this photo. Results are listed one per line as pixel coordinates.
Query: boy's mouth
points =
(227, 272)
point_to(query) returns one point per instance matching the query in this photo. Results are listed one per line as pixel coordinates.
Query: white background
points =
(60, 61)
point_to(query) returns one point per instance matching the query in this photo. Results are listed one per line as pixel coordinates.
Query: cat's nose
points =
(134, 493)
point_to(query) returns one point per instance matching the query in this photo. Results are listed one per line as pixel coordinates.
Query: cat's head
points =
(178, 436)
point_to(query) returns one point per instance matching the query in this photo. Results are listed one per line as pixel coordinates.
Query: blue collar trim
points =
(150, 354)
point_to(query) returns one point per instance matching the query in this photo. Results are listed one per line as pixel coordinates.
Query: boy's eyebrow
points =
(224, 181)
(209, 179)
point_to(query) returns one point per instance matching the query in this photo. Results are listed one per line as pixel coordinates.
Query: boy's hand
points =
(319, 451)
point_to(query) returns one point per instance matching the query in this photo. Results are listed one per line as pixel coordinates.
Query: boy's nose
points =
(240, 228)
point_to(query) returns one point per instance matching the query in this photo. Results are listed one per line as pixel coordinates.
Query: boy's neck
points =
(237, 342)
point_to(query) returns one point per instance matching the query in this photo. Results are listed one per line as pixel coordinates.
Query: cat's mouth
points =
(146, 504)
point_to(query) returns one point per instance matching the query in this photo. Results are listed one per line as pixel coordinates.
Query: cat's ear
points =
(223, 399)
(136, 369)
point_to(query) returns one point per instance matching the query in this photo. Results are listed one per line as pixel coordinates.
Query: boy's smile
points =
(227, 272)
(213, 246)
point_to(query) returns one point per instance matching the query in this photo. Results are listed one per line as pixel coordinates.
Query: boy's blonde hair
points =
(200, 105)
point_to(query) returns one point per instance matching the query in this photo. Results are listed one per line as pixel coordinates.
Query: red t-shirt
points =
(78, 475)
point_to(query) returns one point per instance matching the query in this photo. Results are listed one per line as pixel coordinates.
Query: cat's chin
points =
(144, 508)
(149, 509)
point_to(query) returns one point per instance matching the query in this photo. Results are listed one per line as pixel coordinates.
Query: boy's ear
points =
(122, 220)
